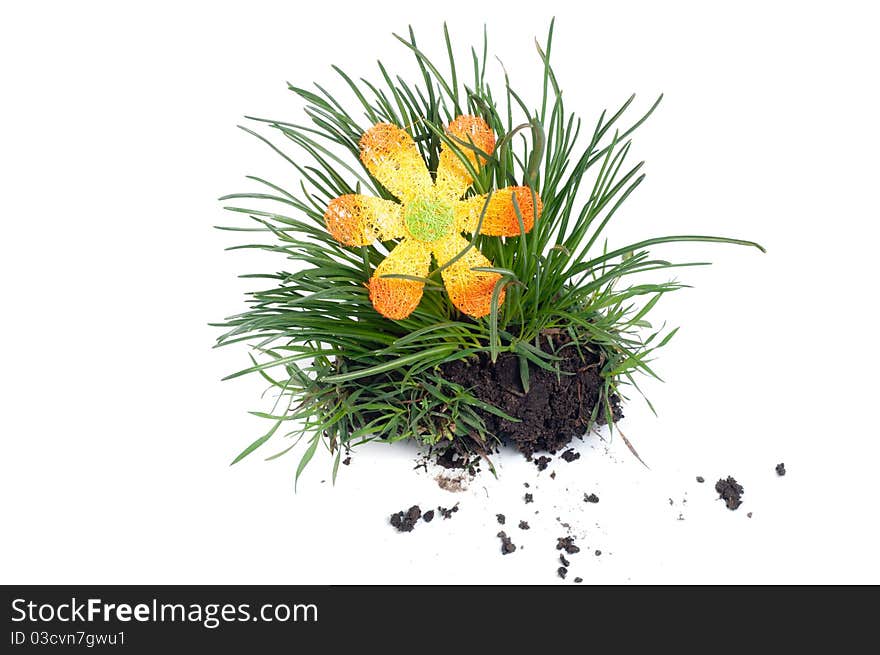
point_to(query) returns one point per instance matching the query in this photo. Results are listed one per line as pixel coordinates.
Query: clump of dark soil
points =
(730, 492)
(542, 462)
(500, 518)
(570, 455)
(701, 479)
(451, 458)
(591, 498)
(567, 544)
(528, 498)
(563, 560)
(780, 469)
(447, 513)
(456, 455)
(428, 516)
(507, 546)
(406, 521)
(561, 572)
(554, 410)
(578, 580)
(523, 525)
(598, 553)
(347, 460)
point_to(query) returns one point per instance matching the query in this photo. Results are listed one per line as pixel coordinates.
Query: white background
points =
(118, 125)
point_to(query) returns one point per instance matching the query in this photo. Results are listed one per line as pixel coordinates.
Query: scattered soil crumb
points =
(749, 515)
(528, 498)
(347, 460)
(567, 544)
(671, 502)
(701, 479)
(563, 560)
(561, 572)
(591, 498)
(523, 525)
(454, 483)
(570, 455)
(428, 516)
(542, 462)
(780, 469)
(447, 513)
(406, 521)
(598, 552)
(507, 546)
(552, 475)
(578, 580)
(526, 485)
(500, 518)
(421, 462)
(730, 492)
(680, 517)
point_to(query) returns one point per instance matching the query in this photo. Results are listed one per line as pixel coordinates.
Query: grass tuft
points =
(344, 375)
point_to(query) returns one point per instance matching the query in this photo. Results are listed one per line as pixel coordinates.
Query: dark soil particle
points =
(563, 560)
(780, 469)
(428, 516)
(529, 498)
(730, 492)
(347, 461)
(570, 455)
(561, 572)
(542, 462)
(591, 498)
(451, 458)
(701, 479)
(578, 580)
(501, 518)
(567, 544)
(523, 525)
(447, 513)
(507, 546)
(526, 485)
(598, 552)
(552, 475)
(553, 411)
(406, 521)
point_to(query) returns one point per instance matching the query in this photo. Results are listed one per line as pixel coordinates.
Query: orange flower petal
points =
(397, 298)
(453, 178)
(500, 219)
(391, 156)
(469, 290)
(357, 220)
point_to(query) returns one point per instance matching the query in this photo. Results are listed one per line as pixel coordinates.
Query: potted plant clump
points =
(446, 276)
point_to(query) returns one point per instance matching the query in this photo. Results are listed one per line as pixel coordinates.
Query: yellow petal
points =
(391, 156)
(469, 290)
(453, 178)
(397, 298)
(357, 220)
(500, 219)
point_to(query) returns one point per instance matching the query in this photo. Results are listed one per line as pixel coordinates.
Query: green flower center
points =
(428, 219)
